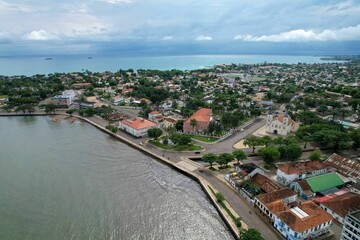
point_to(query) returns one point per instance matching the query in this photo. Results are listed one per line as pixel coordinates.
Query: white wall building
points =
(281, 124)
(137, 127)
(351, 228)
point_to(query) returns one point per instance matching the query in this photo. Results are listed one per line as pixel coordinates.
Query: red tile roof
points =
(202, 115)
(347, 167)
(343, 204)
(138, 123)
(266, 184)
(277, 195)
(288, 169)
(316, 216)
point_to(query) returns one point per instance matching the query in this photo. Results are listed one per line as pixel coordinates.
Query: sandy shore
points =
(58, 118)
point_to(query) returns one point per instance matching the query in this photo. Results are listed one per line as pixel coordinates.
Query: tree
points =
(355, 137)
(154, 132)
(50, 108)
(253, 142)
(315, 155)
(239, 155)
(193, 123)
(225, 158)
(184, 139)
(293, 151)
(70, 111)
(270, 154)
(179, 125)
(209, 158)
(250, 234)
(306, 139)
(266, 140)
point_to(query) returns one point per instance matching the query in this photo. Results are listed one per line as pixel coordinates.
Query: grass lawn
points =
(180, 148)
(204, 139)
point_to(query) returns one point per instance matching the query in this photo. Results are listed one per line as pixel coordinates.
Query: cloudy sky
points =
(177, 26)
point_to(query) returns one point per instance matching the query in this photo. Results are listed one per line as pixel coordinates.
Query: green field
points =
(179, 148)
(204, 139)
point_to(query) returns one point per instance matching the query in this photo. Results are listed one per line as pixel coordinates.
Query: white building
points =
(281, 124)
(71, 94)
(137, 127)
(287, 173)
(351, 228)
(306, 221)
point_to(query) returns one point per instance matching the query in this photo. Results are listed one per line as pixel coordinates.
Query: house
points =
(302, 188)
(281, 124)
(60, 101)
(287, 173)
(169, 122)
(265, 201)
(117, 99)
(351, 227)
(305, 221)
(3, 99)
(347, 167)
(264, 183)
(340, 205)
(71, 94)
(137, 127)
(201, 118)
(152, 115)
(248, 170)
(323, 184)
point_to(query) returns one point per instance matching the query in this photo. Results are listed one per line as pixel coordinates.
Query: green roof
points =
(325, 181)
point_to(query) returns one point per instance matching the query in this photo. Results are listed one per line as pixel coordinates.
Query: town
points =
(277, 143)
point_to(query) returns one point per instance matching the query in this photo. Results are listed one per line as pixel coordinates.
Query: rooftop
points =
(323, 182)
(343, 204)
(276, 195)
(201, 115)
(306, 216)
(138, 123)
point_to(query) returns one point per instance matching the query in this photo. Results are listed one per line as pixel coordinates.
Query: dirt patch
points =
(58, 118)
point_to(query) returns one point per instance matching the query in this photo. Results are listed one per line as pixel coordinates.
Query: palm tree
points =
(193, 123)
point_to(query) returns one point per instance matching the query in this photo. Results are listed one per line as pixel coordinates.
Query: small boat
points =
(49, 58)
(90, 57)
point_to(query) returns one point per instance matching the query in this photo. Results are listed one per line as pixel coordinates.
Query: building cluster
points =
(306, 197)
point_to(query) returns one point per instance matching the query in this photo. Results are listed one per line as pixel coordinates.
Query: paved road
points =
(241, 207)
(122, 110)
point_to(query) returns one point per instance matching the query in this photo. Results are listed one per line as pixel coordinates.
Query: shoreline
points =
(202, 182)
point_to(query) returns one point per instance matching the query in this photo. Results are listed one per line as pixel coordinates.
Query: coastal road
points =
(241, 207)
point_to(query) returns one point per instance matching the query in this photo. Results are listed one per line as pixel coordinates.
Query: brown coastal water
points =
(71, 181)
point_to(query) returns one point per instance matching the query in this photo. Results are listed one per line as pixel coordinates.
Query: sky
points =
(179, 27)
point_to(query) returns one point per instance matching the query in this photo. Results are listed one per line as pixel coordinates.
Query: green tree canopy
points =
(315, 155)
(270, 154)
(154, 132)
(253, 142)
(250, 234)
(209, 158)
(225, 158)
(239, 155)
(293, 151)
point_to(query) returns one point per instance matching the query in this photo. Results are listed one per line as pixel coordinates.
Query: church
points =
(281, 124)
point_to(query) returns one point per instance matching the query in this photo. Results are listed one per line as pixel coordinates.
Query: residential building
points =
(340, 205)
(61, 101)
(281, 124)
(152, 115)
(71, 94)
(202, 118)
(302, 188)
(305, 221)
(265, 201)
(169, 122)
(323, 184)
(351, 228)
(347, 167)
(287, 173)
(80, 85)
(137, 127)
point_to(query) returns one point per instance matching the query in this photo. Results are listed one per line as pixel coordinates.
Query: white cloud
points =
(117, 1)
(40, 35)
(167, 38)
(301, 35)
(203, 38)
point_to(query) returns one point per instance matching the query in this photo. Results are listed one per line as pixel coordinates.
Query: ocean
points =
(31, 65)
(61, 180)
